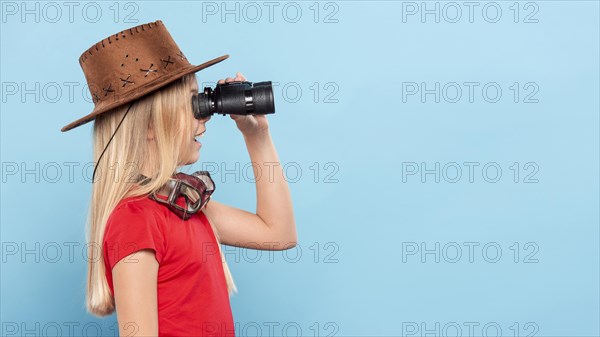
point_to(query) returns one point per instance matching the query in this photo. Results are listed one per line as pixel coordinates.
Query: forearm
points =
(274, 201)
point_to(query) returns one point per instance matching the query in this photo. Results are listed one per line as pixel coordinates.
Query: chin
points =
(194, 158)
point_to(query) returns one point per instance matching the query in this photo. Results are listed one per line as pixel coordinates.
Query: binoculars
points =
(235, 98)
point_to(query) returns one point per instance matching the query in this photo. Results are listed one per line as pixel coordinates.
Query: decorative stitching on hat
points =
(167, 61)
(127, 81)
(108, 89)
(149, 70)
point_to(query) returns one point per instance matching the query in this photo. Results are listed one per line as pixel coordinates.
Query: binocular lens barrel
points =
(235, 98)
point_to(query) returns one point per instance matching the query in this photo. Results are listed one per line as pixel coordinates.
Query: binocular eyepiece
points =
(234, 98)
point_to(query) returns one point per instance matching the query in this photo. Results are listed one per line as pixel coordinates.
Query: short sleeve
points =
(132, 227)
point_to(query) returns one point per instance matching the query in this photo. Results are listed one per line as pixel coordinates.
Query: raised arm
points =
(273, 226)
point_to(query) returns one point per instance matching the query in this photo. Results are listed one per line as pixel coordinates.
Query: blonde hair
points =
(168, 113)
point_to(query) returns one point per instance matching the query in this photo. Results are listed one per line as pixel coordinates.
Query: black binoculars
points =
(234, 98)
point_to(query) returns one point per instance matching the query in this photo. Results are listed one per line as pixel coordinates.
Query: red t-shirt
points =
(192, 291)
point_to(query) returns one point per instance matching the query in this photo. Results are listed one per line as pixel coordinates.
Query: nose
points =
(200, 124)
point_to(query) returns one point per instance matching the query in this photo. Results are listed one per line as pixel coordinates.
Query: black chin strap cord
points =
(106, 147)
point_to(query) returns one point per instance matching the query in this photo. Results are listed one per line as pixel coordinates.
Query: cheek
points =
(185, 147)
(187, 132)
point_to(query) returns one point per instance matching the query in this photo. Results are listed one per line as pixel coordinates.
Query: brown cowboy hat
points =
(130, 64)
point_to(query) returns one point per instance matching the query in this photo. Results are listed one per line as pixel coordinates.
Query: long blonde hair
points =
(168, 113)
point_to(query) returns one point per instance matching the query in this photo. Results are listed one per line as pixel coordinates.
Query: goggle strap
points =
(175, 186)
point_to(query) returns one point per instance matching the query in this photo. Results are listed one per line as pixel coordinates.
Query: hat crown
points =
(124, 63)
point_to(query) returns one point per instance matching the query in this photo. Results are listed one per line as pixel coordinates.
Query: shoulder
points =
(135, 211)
(134, 206)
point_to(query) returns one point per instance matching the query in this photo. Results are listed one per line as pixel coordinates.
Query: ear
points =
(150, 136)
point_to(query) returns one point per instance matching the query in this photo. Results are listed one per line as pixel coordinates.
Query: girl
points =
(165, 275)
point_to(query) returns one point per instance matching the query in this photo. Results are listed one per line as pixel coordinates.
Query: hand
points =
(249, 125)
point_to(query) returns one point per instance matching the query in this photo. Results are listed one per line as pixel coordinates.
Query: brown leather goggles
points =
(196, 190)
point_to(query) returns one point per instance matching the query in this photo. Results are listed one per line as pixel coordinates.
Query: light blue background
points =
(369, 213)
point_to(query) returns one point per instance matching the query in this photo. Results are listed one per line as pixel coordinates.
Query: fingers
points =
(238, 77)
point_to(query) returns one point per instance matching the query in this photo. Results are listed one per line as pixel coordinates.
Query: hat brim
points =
(140, 93)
